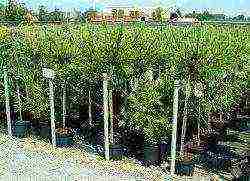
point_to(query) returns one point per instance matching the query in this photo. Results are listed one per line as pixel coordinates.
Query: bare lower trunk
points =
(198, 135)
(174, 131)
(64, 104)
(198, 125)
(106, 116)
(90, 112)
(19, 103)
(184, 123)
(111, 116)
(221, 117)
(183, 132)
(52, 112)
(7, 102)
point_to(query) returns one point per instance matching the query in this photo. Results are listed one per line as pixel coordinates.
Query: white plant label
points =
(48, 73)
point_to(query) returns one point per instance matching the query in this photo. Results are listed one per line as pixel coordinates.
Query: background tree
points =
(114, 13)
(158, 14)
(77, 15)
(134, 14)
(91, 13)
(15, 12)
(2, 12)
(178, 12)
(206, 16)
(121, 13)
(56, 15)
(43, 14)
(240, 17)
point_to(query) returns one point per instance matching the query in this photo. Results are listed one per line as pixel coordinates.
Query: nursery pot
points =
(45, 130)
(64, 137)
(117, 151)
(164, 147)
(64, 140)
(151, 154)
(20, 128)
(184, 168)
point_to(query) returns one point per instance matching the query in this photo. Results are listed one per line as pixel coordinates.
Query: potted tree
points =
(21, 123)
(147, 114)
(151, 148)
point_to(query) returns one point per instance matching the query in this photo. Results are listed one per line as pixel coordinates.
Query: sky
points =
(231, 7)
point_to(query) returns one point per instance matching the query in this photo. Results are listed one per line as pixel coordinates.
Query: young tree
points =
(42, 14)
(178, 12)
(56, 15)
(89, 14)
(158, 14)
(134, 14)
(15, 12)
(114, 13)
(120, 13)
(2, 12)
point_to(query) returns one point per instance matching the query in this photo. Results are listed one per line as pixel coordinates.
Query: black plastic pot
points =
(151, 154)
(117, 152)
(45, 130)
(20, 128)
(164, 150)
(184, 168)
(244, 124)
(64, 139)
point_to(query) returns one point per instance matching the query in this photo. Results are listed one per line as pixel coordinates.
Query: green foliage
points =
(147, 112)
(120, 13)
(89, 14)
(215, 56)
(206, 16)
(14, 12)
(45, 16)
(158, 14)
(134, 13)
(240, 17)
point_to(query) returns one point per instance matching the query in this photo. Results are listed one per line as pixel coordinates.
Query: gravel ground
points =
(33, 159)
(18, 161)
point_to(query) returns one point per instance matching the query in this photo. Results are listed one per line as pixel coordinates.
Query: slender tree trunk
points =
(185, 117)
(7, 102)
(64, 104)
(111, 116)
(19, 103)
(90, 111)
(198, 126)
(174, 131)
(52, 109)
(135, 84)
(106, 115)
(124, 108)
(150, 75)
(221, 117)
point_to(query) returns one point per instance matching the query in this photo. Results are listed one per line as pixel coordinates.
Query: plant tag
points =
(48, 73)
